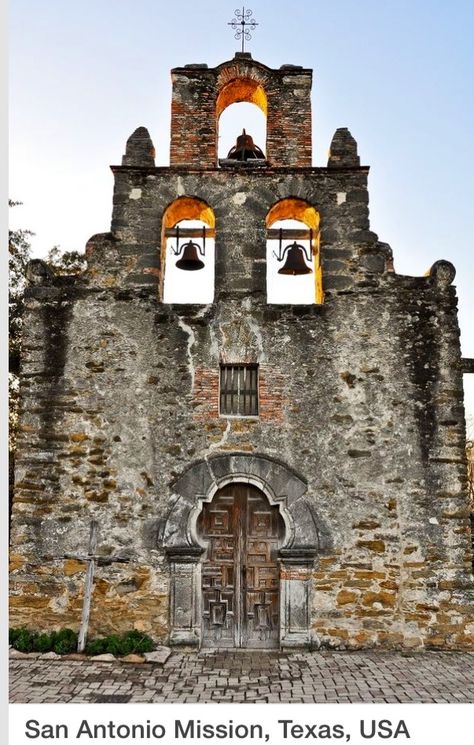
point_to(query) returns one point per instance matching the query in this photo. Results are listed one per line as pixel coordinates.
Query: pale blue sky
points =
(398, 73)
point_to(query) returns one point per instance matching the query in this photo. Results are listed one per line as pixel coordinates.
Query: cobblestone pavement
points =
(243, 677)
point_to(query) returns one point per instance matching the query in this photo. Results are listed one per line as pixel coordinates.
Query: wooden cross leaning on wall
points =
(92, 559)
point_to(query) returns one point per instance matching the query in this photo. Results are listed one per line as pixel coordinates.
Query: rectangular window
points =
(239, 390)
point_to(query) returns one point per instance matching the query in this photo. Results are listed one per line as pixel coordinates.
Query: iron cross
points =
(242, 24)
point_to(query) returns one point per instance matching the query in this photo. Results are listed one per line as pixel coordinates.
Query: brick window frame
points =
(239, 390)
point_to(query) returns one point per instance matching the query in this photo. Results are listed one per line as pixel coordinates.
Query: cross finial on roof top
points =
(242, 24)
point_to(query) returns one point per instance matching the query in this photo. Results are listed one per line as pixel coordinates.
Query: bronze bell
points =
(295, 263)
(190, 260)
(245, 149)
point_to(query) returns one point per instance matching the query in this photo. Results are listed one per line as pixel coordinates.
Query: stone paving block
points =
(159, 656)
(342, 677)
(103, 658)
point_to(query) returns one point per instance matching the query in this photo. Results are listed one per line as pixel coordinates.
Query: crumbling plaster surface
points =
(371, 415)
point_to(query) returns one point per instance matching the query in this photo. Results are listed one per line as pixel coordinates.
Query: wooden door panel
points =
(217, 525)
(240, 576)
(261, 589)
(264, 578)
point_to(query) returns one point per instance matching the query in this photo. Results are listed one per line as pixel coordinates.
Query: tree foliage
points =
(66, 263)
(19, 253)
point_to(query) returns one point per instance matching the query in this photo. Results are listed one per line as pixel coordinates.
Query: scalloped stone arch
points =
(281, 485)
(303, 540)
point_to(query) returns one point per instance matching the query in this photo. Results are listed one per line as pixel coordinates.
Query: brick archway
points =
(200, 94)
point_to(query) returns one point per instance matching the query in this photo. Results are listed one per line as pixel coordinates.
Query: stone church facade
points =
(261, 475)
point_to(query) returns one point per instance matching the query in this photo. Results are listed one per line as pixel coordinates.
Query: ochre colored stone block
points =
(16, 562)
(361, 584)
(71, 567)
(367, 525)
(386, 599)
(375, 546)
(345, 596)
(29, 602)
(372, 575)
(338, 633)
(78, 437)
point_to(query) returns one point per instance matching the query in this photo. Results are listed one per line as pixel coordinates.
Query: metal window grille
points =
(239, 390)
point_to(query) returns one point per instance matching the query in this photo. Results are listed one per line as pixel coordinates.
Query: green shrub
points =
(138, 643)
(13, 636)
(61, 642)
(132, 642)
(113, 645)
(96, 646)
(43, 643)
(65, 641)
(23, 640)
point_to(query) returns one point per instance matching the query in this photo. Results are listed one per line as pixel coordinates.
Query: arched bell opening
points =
(293, 258)
(241, 122)
(240, 572)
(188, 252)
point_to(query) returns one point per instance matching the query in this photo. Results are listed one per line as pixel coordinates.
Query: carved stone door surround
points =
(185, 548)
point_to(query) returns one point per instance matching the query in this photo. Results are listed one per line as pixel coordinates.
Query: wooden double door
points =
(240, 573)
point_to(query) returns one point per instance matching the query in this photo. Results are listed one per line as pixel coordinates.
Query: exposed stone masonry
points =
(360, 398)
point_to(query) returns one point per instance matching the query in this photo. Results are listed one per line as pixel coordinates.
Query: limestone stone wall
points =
(366, 402)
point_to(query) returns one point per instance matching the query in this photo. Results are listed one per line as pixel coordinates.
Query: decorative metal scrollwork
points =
(243, 24)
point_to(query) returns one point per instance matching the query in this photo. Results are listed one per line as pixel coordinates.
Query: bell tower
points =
(201, 94)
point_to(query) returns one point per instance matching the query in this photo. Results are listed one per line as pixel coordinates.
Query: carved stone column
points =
(185, 595)
(296, 567)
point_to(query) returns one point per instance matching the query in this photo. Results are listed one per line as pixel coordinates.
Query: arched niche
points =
(293, 208)
(303, 540)
(236, 118)
(241, 91)
(294, 214)
(179, 286)
(201, 94)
